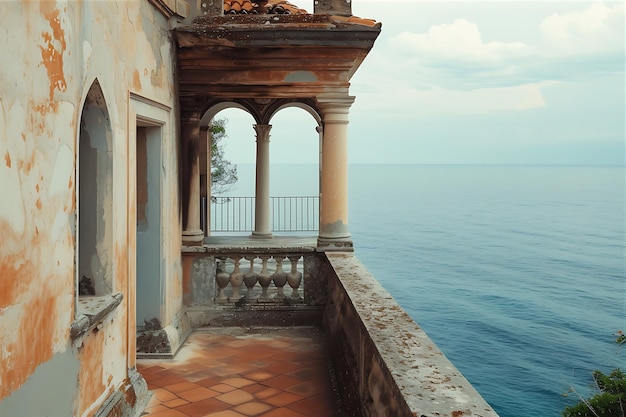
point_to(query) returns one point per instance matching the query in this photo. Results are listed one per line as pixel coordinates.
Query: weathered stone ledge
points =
(247, 250)
(395, 368)
(91, 311)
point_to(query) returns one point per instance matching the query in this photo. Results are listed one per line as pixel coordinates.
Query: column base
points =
(192, 237)
(343, 244)
(260, 235)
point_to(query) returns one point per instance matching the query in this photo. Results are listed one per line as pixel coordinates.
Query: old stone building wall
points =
(96, 75)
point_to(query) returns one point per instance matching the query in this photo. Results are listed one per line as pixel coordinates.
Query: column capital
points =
(335, 109)
(334, 103)
(262, 132)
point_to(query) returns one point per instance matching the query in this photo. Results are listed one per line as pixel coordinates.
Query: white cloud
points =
(597, 30)
(458, 43)
(578, 43)
(453, 69)
(412, 103)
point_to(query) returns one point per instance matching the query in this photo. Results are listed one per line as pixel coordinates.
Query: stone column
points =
(262, 226)
(334, 234)
(190, 130)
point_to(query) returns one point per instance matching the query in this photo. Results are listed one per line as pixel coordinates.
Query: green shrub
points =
(610, 401)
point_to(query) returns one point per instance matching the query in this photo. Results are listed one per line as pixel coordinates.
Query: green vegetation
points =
(223, 172)
(610, 400)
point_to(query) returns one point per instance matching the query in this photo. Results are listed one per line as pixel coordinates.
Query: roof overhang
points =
(269, 56)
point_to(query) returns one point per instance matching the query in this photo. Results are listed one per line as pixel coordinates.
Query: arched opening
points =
(295, 164)
(94, 199)
(278, 178)
(228, 208)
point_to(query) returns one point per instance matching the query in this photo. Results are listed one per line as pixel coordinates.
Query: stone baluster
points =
(236, 279)
(250, 278)
(222, 278)
(294, 277)
(280, 279)
(265, 279)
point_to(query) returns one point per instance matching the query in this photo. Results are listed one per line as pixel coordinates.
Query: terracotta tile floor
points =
(238, 372)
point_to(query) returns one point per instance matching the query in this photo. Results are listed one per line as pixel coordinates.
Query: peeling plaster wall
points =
(52, 53)
(52, 399)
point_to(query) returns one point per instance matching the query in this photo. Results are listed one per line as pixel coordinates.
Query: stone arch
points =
(301, 105)
(94, 196)
(296, 139)
(207, 116)
(214, 109)
(262, 111)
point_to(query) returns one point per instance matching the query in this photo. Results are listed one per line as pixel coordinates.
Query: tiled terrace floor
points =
(242, 373)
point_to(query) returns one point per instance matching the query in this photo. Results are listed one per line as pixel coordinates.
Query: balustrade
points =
(264, 280)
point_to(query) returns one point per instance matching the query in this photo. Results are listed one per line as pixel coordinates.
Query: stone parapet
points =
(384, 361)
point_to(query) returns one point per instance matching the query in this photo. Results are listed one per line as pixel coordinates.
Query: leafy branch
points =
(610, 399)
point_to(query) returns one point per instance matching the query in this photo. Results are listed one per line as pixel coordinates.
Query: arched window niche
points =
(95, 219)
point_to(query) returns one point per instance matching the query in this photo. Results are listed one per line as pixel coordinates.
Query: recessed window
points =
(95, 166)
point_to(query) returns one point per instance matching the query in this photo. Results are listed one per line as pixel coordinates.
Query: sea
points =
(517, 273)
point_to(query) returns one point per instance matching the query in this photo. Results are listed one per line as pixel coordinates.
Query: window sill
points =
(91, 311)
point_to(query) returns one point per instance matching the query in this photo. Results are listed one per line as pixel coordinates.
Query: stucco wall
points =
(52, 53)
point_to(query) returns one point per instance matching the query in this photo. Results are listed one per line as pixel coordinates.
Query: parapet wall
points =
(384, 361)
(385, 364)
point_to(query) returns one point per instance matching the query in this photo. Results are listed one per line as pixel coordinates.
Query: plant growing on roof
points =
(223, 172)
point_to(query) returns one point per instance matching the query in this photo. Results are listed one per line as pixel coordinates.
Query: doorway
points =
(150, 282)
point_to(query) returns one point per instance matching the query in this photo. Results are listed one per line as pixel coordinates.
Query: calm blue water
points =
(516, 273)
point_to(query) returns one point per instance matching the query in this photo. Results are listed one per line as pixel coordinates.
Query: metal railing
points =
(295, 214)
(288, 214)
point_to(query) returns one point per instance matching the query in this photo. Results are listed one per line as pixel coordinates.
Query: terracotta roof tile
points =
(261, 7)
(354, 19)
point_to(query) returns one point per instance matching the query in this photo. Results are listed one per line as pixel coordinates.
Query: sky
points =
(469, 82)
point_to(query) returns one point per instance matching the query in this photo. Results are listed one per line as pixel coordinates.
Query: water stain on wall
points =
(136, 80)
(52, 52)
(33, 314)
(90, 380)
